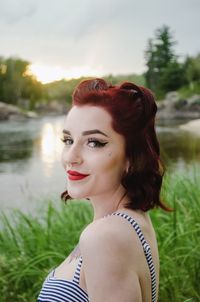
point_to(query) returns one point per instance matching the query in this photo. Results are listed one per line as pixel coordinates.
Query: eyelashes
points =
(67, 141)
(92, 142)
(96, 143)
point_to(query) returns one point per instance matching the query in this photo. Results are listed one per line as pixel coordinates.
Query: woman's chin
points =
(76, 195)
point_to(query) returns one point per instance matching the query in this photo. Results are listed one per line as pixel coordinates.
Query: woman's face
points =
(94, 149)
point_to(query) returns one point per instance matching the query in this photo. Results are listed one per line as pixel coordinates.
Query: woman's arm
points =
(106, 261)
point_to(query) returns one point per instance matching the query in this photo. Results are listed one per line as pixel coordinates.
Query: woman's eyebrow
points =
(88, 132)
(94, 132)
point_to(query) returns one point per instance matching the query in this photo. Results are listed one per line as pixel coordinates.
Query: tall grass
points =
(178, 237)
(30, 247)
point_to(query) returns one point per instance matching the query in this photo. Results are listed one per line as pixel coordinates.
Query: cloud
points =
(109, 33)
(12, 12)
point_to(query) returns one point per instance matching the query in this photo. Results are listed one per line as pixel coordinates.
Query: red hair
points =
(133, 109)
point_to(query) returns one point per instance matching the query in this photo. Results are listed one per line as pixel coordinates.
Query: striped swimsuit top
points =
(61, 290)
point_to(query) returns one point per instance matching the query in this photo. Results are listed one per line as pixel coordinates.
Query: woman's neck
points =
(109, 203)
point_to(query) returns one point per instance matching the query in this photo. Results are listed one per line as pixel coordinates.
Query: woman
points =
(112, 158)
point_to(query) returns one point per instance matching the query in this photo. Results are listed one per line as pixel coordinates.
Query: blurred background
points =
(46, 49)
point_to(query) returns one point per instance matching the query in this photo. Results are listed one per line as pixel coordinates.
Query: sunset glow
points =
(47, 74)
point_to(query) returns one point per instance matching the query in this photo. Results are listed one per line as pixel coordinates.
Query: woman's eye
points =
(67, 140)
(93, 143)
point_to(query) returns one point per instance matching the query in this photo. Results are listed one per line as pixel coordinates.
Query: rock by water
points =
(11, 112)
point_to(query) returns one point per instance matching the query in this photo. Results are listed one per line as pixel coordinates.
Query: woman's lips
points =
(74, 175)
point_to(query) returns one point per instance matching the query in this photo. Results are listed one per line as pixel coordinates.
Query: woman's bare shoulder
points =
(106, 256)
(102, 229)
(112, 233)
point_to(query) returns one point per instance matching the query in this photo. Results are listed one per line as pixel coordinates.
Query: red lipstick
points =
(74, 175)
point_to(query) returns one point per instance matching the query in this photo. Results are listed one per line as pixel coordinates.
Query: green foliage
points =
(30, 247)
(173, 77)
(62, 90)
(20, 88)
(16, 83)
(189, 90)
(178, 238)
(135, 78)
(164, 73)
(32, 90)
(11, 79)
(163, 70)
(192, 69)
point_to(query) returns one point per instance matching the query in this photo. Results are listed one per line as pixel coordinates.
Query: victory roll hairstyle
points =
(133, 110)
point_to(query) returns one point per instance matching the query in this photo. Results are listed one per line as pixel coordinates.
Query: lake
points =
(30, 165)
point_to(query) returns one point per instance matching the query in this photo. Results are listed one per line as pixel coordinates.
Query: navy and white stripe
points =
(147, 252)
(78, 271)
(60, 290)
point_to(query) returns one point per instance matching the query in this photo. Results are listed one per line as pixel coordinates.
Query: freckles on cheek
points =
(111, 161)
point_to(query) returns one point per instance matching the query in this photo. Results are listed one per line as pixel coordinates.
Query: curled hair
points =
(133, 109)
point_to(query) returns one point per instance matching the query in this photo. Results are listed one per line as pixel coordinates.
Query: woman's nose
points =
(71, 156)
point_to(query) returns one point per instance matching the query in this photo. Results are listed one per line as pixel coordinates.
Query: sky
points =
(70, 38)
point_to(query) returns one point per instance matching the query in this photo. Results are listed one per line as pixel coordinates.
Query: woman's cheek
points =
(111, 162)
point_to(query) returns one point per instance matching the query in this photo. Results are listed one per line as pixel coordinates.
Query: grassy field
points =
(30, 247)
(178, 235)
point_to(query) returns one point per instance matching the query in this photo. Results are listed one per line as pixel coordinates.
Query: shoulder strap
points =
(146, 249)
(76, 277)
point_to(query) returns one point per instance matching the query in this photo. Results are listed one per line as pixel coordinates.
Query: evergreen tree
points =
(163, 70)
(192, 70)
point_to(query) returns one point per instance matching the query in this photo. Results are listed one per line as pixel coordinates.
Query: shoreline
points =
(168, 109)
(192, 127)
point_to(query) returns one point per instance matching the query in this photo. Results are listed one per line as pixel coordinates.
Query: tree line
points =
(165, 72)
(19, 87)
(16, 83)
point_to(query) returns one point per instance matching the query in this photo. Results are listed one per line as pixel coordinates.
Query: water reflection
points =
(14, 147)
(30, 168)
(179, 148)
(51, 146)
(30, 158)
